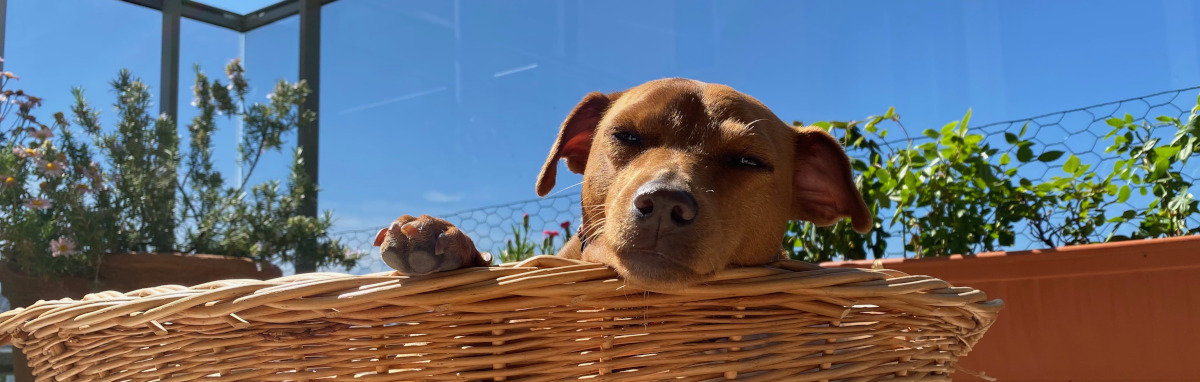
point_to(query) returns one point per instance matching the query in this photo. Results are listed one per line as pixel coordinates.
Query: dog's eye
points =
(627, 137)
(748, 162)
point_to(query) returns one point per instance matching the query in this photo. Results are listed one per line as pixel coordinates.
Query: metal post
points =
(3, 19)
(169, 86)
(309, 133)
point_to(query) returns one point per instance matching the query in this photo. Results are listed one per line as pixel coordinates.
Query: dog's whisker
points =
(565, 189)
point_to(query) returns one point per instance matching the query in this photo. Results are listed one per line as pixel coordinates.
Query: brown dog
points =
(681, 179)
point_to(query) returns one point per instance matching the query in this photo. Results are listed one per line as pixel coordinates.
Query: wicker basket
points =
(543, 319)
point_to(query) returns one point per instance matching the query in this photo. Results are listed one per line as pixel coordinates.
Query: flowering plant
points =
(64, 202)
(521, 246)
(56, 206)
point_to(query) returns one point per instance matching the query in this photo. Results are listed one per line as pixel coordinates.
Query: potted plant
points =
(1112, 287)
(84, 208)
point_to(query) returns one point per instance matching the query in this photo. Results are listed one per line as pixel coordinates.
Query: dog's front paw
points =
(425, 244)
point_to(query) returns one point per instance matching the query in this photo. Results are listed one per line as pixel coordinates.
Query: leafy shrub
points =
(65, 203)
(956, 194)
(521, 246)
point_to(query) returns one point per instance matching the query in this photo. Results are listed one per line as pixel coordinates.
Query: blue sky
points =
(437, 106)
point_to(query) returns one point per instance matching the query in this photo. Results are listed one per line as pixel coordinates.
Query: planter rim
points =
(1185, 241)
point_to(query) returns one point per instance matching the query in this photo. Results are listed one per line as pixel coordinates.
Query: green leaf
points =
(931, 133)
(1024, 154)
(1187, 149)
(1161, 165)
(1011, 138)
(948, 129)
(1071, 165)
(1082, 169)
(918, 161)
(1114, 122)
(1050, 156)
(962, 127)
(1123, 195)
(1004, 159)
(1023, 128)
(890, 113)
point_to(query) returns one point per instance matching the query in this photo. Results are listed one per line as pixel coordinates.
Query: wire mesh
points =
(1077, 131)
(489, 227)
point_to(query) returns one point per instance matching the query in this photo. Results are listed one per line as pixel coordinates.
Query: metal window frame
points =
(229, 20)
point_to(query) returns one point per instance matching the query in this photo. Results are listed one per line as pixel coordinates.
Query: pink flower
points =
(566, 225)
(54, 168)
(550, 233)
(92, 172)
(24, 152)
(37, 203)
(63, 246)
(7, 181)
(43, 134)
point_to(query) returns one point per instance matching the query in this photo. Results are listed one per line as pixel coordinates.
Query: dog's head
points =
(683, 178)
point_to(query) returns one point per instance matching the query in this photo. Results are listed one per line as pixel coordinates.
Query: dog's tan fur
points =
(680, 179)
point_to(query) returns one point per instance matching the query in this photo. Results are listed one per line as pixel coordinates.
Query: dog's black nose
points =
(656, 199)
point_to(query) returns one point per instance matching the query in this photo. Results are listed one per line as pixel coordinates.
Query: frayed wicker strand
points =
(544, 319)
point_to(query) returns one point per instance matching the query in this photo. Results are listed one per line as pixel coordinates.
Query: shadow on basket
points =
(543, 319)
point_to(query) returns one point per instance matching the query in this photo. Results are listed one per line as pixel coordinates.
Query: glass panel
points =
(55, 46)
(271, 55)
(433, 107)
(207, 48)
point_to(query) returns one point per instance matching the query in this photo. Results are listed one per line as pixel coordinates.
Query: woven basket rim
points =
(79, 315)
(832, 293)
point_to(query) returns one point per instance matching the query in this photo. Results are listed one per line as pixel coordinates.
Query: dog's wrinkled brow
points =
(739, 129)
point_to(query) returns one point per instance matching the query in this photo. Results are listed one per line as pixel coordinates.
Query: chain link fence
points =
(1077, 131)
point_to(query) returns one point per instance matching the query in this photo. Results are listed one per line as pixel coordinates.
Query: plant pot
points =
(125, 272)
(1122, 311)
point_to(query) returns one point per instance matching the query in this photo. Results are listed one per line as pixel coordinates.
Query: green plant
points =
(955, 193)
(521, 246)
(1152, 166)
(947, 194)
(54, 192)
(265, 223)
(57, 211)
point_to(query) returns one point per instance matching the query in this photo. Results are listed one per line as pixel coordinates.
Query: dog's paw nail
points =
(410, 229)
(443, 243)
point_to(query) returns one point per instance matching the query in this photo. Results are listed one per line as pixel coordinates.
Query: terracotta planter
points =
(125, 272)
(1127, 311)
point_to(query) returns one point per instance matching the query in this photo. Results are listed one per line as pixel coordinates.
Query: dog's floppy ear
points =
(574, 139)
(823, 189)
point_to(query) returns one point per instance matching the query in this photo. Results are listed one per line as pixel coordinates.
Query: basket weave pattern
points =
(543, 319)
